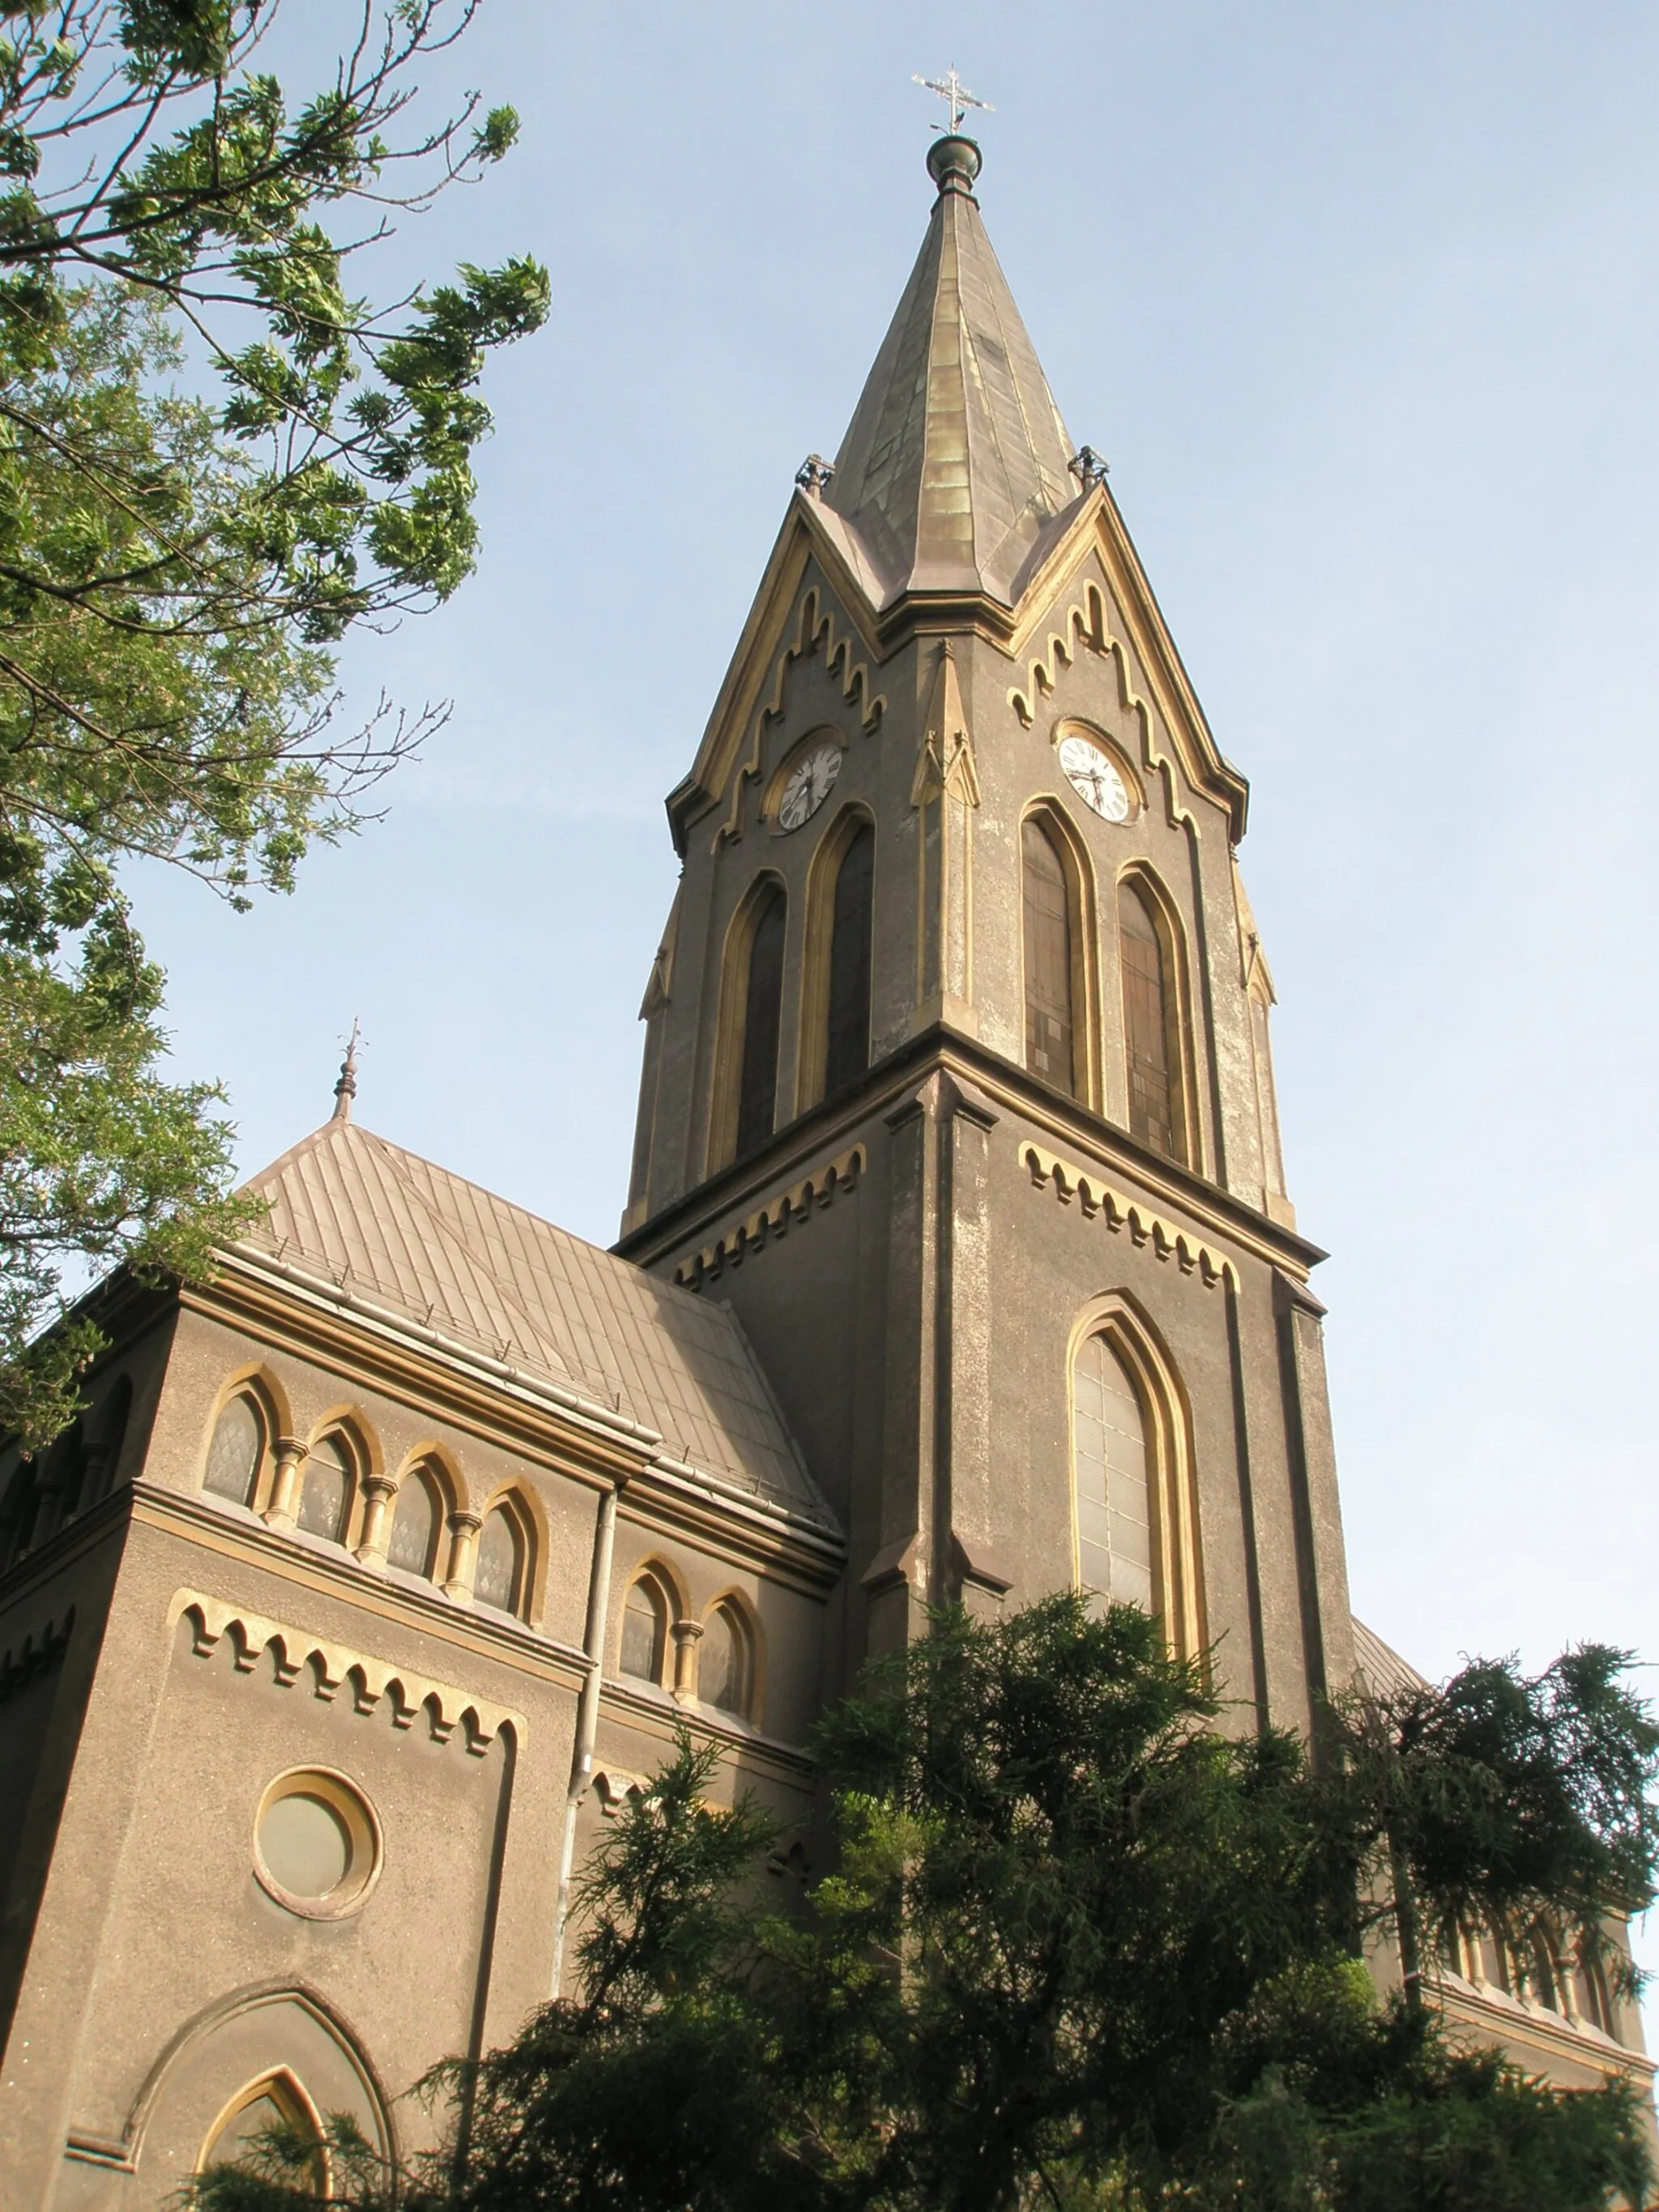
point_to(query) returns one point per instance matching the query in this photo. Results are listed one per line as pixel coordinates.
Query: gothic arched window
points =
(498, 1579)
(724, 1664)
(762, 1010)
(1050, 1019)
(645, 1630)
(1114, 1478)
(415, 1525)
(325, 1495)
(847, 1041)
(237, 1450)
(1152, 1039)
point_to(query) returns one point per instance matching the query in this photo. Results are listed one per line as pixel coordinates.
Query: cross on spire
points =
(950, 88)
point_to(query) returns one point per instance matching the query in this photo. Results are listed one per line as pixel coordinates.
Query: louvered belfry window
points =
(846, 1048)
(757, 1085)
(1048, 1021)
(1149, 1032)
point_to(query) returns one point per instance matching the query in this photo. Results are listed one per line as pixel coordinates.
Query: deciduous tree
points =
(216, 455)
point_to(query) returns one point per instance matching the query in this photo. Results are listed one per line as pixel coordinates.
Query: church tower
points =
(957, 1086)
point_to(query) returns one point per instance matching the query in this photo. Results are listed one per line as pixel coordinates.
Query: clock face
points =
(809, 783)
(1096, 781)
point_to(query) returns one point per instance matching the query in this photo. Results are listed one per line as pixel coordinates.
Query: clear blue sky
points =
(1362, 305)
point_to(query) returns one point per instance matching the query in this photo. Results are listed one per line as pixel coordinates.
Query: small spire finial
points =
(814, 474)
(1088, 466)
(951, 89)
(346, 1089)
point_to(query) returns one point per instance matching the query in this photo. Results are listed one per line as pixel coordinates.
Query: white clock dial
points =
(1096, 781)
(809, 785)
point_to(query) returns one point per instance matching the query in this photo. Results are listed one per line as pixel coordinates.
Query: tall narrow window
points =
(1114, 1485)
(233, 1466)
(326, 1495)
(1150, 1040)
(1049, 1050)
(757, 1082)
(414, 1526)
(644, 1632)
(498, 1578)
(847, 1048)
(723, 1667)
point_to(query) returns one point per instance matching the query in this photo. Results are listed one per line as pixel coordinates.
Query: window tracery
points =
(415, 1520)
(645, 1630)
(1114, 1490)
(325, 1495)
(499, 1578)
(236, 1455)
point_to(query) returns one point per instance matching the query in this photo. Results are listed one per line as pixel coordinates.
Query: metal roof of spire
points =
(956, 460)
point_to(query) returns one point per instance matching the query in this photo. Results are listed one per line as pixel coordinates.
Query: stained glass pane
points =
(414, 1525)
(757, 1085)
(1114, 1494)
(233, 1464)
(496, 1579)
(327, 1490)
(1049, 1023)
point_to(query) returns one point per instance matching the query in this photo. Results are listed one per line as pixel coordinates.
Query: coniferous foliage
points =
(216, 456)
(1079, 1947)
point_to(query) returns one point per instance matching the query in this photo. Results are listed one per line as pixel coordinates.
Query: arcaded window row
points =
(1060, 934)
(412, 1521)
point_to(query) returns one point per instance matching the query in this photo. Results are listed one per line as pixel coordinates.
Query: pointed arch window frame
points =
(726, 1101)
(824, 877)
(1172, 1488)
(1143, 880)
(1076, 866)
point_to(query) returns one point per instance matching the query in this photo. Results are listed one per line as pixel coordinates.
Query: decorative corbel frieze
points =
(815, 631)
(773, 1219)
(334, 1666)
(1096, 1199)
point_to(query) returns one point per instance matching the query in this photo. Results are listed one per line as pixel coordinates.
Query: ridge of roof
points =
(956, 461)
(423, 1242)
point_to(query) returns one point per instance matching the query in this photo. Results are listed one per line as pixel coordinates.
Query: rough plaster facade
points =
(817, 1387)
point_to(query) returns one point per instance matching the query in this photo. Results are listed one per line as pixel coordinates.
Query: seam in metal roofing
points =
(389, 1225)
(1385, 1673)
(956, 460)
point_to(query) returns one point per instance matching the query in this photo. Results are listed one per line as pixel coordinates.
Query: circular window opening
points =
(316, 1844)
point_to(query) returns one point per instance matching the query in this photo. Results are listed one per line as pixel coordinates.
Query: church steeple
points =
(955, 462)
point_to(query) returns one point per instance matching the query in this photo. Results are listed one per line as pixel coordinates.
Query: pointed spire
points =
(956, 460)
(346, 1089)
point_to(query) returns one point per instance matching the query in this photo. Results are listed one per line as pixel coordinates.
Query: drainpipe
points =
(587, 1715)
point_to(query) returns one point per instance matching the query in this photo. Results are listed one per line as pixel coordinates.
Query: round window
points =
(316, 1844)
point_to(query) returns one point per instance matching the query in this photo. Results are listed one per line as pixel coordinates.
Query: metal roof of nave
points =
(955, 464)
(390, 1226)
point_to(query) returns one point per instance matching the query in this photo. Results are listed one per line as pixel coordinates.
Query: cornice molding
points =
(771, 1220)
(566, 1436)
(1107, 1150)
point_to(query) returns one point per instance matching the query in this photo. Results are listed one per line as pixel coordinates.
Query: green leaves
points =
(178, 555)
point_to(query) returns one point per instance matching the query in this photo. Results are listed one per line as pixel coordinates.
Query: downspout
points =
(587, 1715)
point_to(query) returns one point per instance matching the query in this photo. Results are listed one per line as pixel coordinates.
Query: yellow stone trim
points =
(1096, 1195)
(815, 628)
(253, 1635)
(773, 1217)
(1089, 621)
